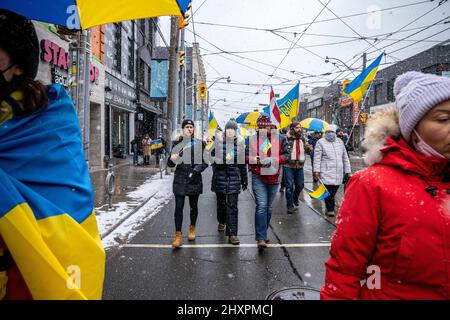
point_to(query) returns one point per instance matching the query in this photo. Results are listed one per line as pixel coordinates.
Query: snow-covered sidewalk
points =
(125, 219)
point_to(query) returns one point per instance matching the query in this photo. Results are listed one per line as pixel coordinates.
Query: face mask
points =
(424, 148)
(3, 82)
(330, 136)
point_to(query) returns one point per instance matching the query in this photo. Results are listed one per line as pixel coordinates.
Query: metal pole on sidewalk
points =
(361, 125)
(172, 95)
(182, 86)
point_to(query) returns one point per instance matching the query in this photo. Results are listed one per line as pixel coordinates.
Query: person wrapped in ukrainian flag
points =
(50, 247)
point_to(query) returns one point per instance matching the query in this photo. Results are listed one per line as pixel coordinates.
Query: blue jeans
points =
(264, 196)
(135, 158)
(295, 181)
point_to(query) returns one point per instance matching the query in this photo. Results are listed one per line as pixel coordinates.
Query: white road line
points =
(245, 245)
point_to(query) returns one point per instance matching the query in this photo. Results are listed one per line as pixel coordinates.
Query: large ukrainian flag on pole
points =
(46, 210)
(287, 106)
(358, 87)
(84, 14)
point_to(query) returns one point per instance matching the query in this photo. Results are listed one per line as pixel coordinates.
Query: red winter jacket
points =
(388, 220)
(282, 157)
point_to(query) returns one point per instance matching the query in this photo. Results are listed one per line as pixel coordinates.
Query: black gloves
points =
(266, 162)
(244, 186)
(346, 178)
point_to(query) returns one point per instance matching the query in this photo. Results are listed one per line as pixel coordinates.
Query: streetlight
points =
(224, 100)
(327, 60)
(221, 78)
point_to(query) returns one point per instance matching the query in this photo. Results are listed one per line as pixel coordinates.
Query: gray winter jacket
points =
(331, 160)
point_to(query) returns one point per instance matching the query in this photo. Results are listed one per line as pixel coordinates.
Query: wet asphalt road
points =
(148, 268)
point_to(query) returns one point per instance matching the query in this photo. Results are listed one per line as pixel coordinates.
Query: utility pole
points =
(361, 125)
(182, 89)
(172, 96)
(82, 100)
(194, 111)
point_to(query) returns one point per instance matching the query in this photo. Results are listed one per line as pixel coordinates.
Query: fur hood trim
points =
(380, 126)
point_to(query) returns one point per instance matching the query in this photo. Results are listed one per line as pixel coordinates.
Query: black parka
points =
(229, 172)
(190, 152)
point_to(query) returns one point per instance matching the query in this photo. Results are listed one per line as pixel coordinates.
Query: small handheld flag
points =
(320, 193)
(265, 147)
(156, 144)
(230, 155)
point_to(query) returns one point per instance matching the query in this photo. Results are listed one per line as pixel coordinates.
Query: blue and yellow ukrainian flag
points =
(288, 107)
(156, 144)
(84, 14)
(212, 125)
(47, 218)
(265, 146)
(320, 193)
(358, 87)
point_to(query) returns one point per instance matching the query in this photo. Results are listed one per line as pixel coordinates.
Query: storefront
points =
(148, 113)
(97, 114)
(120, 106)
(54, 56)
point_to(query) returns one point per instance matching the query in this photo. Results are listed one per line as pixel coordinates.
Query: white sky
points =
(266, 14)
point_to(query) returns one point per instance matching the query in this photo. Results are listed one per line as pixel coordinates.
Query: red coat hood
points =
(398, 153)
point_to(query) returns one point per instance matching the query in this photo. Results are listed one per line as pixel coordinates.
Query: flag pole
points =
(360, 109)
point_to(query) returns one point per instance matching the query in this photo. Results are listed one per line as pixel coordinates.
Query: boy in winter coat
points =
(331, 165)
(293, 169)
(393, 228)
(229, 176)
(187, 156)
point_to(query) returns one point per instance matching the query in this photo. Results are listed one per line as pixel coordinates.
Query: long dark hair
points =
(34, 94)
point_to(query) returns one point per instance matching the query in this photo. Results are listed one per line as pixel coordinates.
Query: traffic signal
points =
(202, 91)
(181, 55)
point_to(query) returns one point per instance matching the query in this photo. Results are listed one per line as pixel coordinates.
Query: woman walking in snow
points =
(395, 218)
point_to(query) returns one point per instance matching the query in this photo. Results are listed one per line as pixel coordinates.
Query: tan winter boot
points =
(178, 240)
(191, 234)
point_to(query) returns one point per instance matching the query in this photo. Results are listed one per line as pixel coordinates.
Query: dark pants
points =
(295, 182)
(227, 212)
(283, 179)
(179, 206)
(329, 201)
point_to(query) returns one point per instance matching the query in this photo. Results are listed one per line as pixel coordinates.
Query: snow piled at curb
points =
(161, 189)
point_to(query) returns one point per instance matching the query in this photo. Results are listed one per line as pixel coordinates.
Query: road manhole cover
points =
(295, 293)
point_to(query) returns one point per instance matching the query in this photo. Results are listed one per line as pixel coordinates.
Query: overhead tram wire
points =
(395, 32)
(389, 45)
(350, 27)
(237, 62)
(315, 22)
(416, 19)
(357, 56)
(198, 7)
(420, 41)
(295, 44)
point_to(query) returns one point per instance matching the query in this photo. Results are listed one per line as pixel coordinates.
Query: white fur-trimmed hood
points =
(380, 126)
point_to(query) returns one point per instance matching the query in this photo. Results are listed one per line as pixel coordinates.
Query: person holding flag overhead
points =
(229, 176)
(50, 247)
(266, 152)
(331, 165)
(187, 157)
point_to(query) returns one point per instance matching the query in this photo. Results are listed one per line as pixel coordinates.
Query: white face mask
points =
(425, 148)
